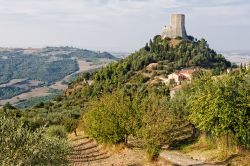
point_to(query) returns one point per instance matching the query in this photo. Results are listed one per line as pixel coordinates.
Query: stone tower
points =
(177, 27)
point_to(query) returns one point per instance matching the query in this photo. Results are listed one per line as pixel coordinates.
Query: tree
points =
(147, 48)
(71, 125)
(107, 118)
(20, 146)
(158, 124)
(141, 112)
(220, 105)
(8, 106)
(150, 43)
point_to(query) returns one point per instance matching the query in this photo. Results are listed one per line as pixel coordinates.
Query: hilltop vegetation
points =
(183, 54)
(126, 72)
(118, 101)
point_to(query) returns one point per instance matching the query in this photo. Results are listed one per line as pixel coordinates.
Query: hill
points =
(128, 101)
(141, 72)
(238, 56)
(51, 63)
(23, 70)
(169, 55)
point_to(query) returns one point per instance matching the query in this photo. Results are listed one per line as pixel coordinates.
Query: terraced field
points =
(86, 151)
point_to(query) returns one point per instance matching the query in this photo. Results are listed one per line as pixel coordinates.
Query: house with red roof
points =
(182, 75)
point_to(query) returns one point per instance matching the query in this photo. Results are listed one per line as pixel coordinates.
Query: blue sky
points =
(120, 25)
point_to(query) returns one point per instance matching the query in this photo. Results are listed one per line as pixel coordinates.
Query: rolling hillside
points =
(24, 70)
(169, 55)
(126, 100)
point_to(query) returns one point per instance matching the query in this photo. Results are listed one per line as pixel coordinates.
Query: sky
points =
(120, 25)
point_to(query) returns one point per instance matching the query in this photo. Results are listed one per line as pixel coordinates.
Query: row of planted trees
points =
(143, 113)
(216, 105)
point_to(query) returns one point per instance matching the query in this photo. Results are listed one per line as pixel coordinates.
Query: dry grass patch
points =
(114, 149)
(216, 152)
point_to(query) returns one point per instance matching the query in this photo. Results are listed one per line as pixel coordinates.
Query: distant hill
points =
(48, 64)
(45, 66)
(71, 52)
(120, 55)
(238, 56)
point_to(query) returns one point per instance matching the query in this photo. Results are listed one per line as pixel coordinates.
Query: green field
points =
(8, 92)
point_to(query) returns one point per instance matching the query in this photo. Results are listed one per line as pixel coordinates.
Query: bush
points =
(8, 106)
(20, 146)
(158, 125)
(57, 131)
(70, 125)
(220, 106)
(105, 120)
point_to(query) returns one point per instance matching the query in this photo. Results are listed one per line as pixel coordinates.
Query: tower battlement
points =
(177, 27)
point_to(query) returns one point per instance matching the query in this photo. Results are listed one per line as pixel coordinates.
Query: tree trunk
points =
(126, 139)
(227, 140)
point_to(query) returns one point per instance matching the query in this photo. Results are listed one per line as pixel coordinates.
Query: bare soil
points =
(179, 158)
(86, 151)
(12, 82)
(36, 92)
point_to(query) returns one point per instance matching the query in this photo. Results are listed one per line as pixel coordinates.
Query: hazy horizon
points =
(120, 25)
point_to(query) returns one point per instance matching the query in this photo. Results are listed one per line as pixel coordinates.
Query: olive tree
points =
(20, 146)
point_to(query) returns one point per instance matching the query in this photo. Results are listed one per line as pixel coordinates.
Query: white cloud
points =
(114, 24)
(89, 8)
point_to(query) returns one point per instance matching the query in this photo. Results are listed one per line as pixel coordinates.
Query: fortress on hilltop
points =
(177, 27)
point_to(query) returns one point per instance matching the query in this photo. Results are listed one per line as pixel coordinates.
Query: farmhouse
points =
(183, 75)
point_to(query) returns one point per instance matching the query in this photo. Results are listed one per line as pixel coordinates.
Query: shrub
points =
(20, 146)
(57, 131)
(106, 118)
(220, 106)
(157, 126)
(8, 106)
(70, 125)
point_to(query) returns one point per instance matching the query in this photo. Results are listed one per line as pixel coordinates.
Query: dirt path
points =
(86, 152)
(182, 159)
